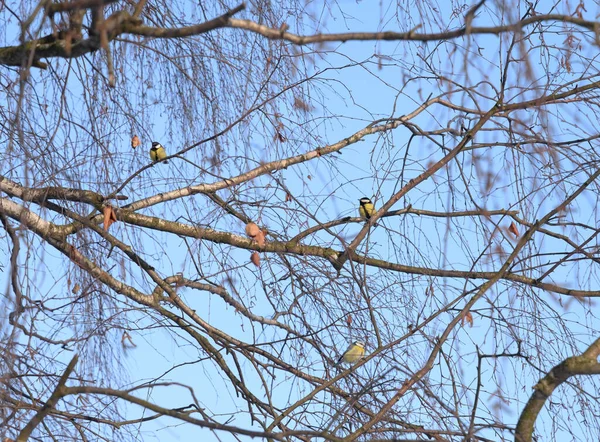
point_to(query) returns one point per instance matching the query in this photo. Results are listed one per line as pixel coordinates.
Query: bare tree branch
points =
(586, 364)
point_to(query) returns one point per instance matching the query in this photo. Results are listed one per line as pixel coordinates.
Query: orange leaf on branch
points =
(110, 217)
(260, 238)
(252, 230)
(513, 229)
(255, 258)
(135, 141)
(468, 318)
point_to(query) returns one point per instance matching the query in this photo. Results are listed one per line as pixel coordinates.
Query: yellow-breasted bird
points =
(353, 354)
(158, 152)
(366, 209)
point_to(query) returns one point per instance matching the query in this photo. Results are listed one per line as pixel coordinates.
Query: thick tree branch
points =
(586, 364)
(185, 31)
(121, 22)
(48, 230)
(327, 253)
(276, 34)
(55, 237)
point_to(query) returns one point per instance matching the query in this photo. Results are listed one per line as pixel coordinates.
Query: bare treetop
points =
(205, 205)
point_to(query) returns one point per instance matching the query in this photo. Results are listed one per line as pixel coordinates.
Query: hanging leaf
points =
(135, 141)
(260, 238)
(110, 216)
(255, 258)
(468, 318)
(349, 320)
(252, 230)
(75, 289)
(513, 229)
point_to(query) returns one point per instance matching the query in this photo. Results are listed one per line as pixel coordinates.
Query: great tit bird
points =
(353, 354)
(158, 152)
(366, 209)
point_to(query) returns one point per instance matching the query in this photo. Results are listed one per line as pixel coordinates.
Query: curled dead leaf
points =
(252, 230)
(513, 229)
(110, 217)
(75, 289)
(349, 320)
(260, 238)
(135, 141)
(255, 258)
(468, 318)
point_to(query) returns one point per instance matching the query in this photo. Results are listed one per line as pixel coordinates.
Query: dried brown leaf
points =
(110, 217)
(260, 238)
(468, 318)
(255, 258)
(135, 141)
(252, 230)
(513, 229)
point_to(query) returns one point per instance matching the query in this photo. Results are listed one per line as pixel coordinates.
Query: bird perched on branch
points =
(157, 152)
(366, 209)
(353, 354)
